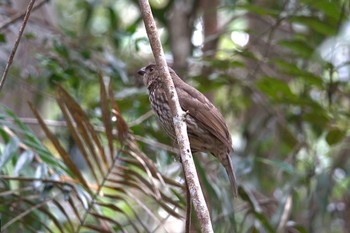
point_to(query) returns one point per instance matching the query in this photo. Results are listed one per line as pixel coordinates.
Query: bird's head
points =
(149, 74)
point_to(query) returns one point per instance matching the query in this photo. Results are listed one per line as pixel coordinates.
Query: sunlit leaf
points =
(315, 24)
(9, 151)
(334, 136)
(331, 9)
(23, 161)
(40, 172)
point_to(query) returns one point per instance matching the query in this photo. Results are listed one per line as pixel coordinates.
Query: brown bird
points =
(206, 127)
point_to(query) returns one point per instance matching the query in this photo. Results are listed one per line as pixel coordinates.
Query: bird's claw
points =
(186, 113)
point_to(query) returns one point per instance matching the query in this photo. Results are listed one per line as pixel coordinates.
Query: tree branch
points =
(14, 49)
(16, 17)
(179, 121)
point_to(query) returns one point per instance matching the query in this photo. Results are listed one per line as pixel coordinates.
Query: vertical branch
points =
(13, 52)
(178, 118)
(210, 22)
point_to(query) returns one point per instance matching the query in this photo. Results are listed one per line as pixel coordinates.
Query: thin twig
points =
(188, 210)
(141, 118)
(285, 214)
(20, 15)
(178, 120)
(14, 49)
(34, 121)
(156, 144)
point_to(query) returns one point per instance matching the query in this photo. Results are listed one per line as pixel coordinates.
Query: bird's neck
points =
(154, 83)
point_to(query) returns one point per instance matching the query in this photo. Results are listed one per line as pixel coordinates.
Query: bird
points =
(206, 127)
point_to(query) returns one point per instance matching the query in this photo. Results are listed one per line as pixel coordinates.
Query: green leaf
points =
(85, 53)
(259, 10)
(5, 137)
(89, 11)
(328, 7)
(40, 172)
(226, 64)
(334, 136)
(9, 151)
(300, 229)
(299, 47)
(293, 70)
(2, 38)
(287, 136)
(34, 143)
(113, 18)
(283, 166)
(61, 49)
(316, 117)
(29, 36)
(208, 186)
(24, 160)
(315, 24)
(276, 89)
(132, 27)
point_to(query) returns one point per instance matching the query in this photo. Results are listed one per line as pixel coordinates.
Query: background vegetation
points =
(90, 157)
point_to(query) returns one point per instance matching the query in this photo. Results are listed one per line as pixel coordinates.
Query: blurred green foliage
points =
(284, 94)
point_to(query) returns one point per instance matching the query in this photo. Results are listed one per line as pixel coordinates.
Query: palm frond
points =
(113, 193)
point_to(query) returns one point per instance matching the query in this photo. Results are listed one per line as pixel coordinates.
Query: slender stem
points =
(188, 210)
(179, 121)
(20, 15)
(14, 49)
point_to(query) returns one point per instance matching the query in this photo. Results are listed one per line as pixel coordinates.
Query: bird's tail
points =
(227, 162)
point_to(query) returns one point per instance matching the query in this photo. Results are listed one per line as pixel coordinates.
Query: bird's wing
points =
(200, 108)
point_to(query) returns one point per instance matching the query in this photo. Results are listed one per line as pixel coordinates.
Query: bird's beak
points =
(142, 71)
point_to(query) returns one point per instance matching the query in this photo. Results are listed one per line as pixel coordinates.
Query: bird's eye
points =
(151, 69)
